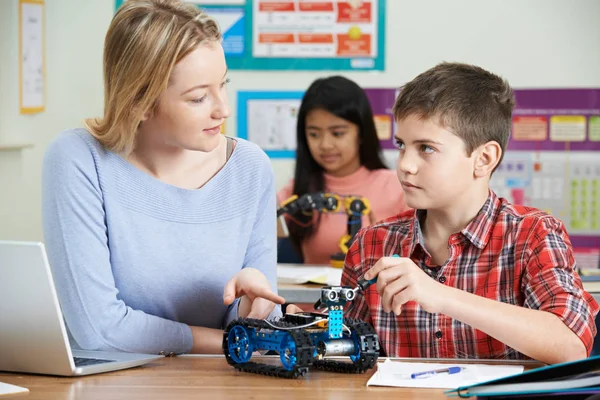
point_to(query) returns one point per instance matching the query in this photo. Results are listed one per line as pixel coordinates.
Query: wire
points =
(291, 328)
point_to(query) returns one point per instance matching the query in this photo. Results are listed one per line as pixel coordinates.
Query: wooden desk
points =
(210, 377)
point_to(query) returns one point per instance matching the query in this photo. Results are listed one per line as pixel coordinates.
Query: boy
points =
(477, 277)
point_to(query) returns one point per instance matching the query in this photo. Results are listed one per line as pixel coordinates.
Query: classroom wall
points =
(74, 38)
(534, 43)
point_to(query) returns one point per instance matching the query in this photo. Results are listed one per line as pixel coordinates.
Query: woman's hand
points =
(293, 309)
(257, 298)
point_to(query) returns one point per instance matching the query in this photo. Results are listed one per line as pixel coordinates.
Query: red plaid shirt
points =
(513, 254)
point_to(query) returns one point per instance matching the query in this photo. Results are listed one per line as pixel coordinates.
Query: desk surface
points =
(210, 377)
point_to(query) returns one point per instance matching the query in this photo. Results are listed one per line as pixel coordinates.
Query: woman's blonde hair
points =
(145, 40)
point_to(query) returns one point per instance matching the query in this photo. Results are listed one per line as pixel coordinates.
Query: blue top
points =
(136, 260)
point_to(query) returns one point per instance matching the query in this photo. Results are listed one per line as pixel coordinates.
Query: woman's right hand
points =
(257, 298)
(293, 309)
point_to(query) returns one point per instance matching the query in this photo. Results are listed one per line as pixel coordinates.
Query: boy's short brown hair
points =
(469, 101)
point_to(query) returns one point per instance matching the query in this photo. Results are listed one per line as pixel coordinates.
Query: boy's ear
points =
(487, 157)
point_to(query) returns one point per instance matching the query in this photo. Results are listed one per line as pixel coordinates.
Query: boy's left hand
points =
(400, 280)
(257, 298)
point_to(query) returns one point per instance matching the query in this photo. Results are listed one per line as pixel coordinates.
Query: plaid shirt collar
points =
(478, 231)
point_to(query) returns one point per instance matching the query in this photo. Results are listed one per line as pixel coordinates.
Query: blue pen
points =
(364, 284)
(427, 374)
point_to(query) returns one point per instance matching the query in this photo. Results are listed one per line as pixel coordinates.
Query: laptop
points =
(33, 337)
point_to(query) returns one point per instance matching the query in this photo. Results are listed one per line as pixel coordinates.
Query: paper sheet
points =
(297, 274)
(397, 373)
(272, 123)
(6, 388)
(32, 56)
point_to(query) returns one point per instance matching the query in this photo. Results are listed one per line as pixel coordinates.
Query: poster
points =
(218, 2)
(268, 118)
(232, 22)
(202, 2)
(31, 56)
(564, 184)
(317, 30)
(300, 34)
(231, 18)
(316, 35)
(556, 120)
(552, 160)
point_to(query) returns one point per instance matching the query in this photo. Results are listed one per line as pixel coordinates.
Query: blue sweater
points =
(136, 260)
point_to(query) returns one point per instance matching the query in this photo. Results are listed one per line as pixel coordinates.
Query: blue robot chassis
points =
(305, 340)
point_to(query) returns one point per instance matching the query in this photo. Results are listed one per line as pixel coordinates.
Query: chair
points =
(286, 253)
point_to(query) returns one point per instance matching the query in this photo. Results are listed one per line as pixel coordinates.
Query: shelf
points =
(14, 146)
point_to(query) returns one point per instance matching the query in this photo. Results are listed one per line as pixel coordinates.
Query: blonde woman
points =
(159, 229)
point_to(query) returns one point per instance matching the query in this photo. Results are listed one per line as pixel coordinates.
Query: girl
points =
(338, 151)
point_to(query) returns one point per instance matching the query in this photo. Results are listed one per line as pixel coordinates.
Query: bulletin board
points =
(268, 118)
(552, 160)
(32, 57)
(300, 35)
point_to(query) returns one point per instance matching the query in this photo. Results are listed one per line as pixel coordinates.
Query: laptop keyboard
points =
(84, 362)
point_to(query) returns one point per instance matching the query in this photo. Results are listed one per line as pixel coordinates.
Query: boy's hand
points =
(257, 298)
(399, 280)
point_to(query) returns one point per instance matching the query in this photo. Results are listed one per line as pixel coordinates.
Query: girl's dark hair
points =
(345, 99)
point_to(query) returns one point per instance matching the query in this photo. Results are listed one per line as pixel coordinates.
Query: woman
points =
(153, 220)
(338, 151)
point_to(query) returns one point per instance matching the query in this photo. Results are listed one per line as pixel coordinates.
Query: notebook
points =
(572, 377)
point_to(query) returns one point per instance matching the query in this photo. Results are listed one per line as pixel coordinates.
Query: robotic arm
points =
(356, 207)
(320, 201)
